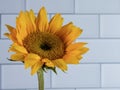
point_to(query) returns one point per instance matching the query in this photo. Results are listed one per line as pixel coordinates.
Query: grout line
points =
(99, 38)
(75, 88)
(71, 13)
(100, 63)
(0, 77)
(80, 38)
(50, 16)
(72, 88)
(25, 5)
(0, 27)
(100, 76)
(11, 63)
(50, 79)
(74, 6)
(78, 64)
(89, 13)
(99, 24)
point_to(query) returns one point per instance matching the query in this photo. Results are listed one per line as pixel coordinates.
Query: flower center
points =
(46, 45)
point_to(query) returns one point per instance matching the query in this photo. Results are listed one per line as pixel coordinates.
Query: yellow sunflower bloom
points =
(42, 44)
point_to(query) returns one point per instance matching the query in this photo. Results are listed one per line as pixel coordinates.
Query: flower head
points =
(42, 44)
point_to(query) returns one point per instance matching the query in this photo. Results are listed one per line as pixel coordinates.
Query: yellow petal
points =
(11, 37)
(78, 51)
(12, 34)
(17, 48)
(25, 24)
(7, 35)
(73, 35)
(74, 46)
(21, 24)
(31, 59)
(60, 63)
(18, 57)
(42, 20)
(11, 29)
(36, 66)
(32, 18)
(64, 31)
(84, 50)
(68, 33)
(72, 59)
(48, 62)
(55, 23)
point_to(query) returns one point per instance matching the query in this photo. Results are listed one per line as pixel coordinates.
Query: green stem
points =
(40, 75)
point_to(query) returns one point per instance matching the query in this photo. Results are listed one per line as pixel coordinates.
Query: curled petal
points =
(55, 23)
(42, 20)
(60, 63)
(17, 48)
(36, 66)
(31, 59)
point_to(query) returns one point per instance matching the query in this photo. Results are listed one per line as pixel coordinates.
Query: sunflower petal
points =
(84, 50)
(75, 46)
(64, 31)
(32, 18)
(60, 63)
(11, 37)
(48, 62)
(18, 57)
(11, 29)
(55, 23)
(36, 66)
(72, 59)
(31, 59)
(7, 35)
(68, 33)
(25, 24)
(78, 51)
(17, 48)
(73, 35)
(42, 20)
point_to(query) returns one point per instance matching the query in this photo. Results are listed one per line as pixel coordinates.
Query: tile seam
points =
(100, 76)
(70, 13)
(0, 27)
(74, 6)
(99, 27)
(0, 77)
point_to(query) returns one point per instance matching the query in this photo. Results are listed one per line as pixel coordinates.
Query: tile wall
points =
(100, 67)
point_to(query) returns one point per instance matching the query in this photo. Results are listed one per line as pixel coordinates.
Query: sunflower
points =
(42, 44)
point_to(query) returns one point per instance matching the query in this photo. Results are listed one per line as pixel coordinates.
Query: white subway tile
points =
(12, 89)
(7, 19)
(102, 50)
(89, 24)
(52, 89)
(4, 54)
(110, 75)
(84, 75)
(53, 6)
(11, 6)
(110, 26)
(100, 89)
(15, 76)
(97, 6)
